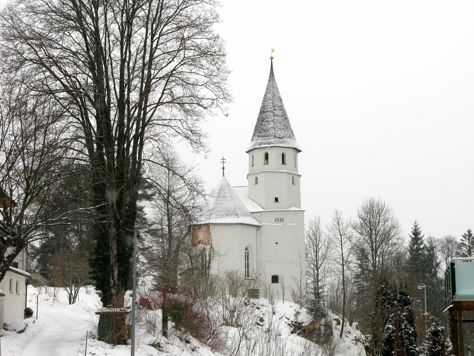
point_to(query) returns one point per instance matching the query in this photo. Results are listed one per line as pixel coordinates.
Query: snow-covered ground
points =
(61, 331)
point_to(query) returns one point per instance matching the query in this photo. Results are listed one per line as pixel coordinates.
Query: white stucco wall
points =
(276, 248)
(281, 250)
(14, 300)
(228, 243)
(275, 179)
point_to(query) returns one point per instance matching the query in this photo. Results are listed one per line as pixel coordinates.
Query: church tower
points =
(258, 230)
(273, 178)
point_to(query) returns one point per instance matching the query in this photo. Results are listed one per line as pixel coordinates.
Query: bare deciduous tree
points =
(127, 73)
(340, 234)
(377, 232)
(176, 202)
(317, 250)
(31, 152)
(448, 248)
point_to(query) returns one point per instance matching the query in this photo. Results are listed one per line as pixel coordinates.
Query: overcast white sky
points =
(380, 95)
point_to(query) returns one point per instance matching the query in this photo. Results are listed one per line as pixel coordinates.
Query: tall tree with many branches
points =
(127, 73)
(31, 157)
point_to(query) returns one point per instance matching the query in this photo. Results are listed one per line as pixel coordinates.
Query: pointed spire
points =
(273, 127)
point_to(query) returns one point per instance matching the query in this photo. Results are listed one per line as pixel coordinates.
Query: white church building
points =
(258, 229)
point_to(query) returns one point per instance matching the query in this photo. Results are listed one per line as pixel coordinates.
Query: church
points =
(258, 230)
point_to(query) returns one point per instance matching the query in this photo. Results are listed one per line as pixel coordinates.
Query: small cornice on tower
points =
(273, 126)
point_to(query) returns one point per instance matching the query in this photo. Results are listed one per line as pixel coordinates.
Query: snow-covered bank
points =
(267, 330)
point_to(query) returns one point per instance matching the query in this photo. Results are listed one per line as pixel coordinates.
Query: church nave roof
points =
(228, 208)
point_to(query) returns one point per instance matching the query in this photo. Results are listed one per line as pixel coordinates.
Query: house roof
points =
(228, 208)
(273, 127)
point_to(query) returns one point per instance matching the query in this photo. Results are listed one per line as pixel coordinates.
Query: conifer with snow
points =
(436, 342)
(466, 245)
(407, 324)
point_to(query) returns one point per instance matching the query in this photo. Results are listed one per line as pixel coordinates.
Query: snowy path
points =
(63, 333)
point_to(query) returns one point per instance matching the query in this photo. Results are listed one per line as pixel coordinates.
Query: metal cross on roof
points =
(223, 161)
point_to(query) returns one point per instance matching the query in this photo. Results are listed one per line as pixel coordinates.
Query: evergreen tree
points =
(388, 347)
(434, 284)
(466, 245)
(436, 342)
(407, 324)
(416, 256)
(384, 308)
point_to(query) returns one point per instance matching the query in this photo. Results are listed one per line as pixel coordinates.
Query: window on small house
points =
(276, 199)
(247, 263)
(265, 158)
(17, 287)
(253, 160)
(256, 180)
(293, 180)
(283, 159)
(274, 279)
(10, 286)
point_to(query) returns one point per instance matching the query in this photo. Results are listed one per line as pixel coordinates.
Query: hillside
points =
(61, 330)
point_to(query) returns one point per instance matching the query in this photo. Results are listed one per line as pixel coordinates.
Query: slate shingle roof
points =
(273, 127)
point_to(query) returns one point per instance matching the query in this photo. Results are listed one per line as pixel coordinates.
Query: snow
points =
(61, 330)
(19, 271)
(243, 194)
(16, 325)
(273, 127)
(228, 208)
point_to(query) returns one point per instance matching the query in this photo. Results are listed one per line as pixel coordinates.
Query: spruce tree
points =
(388, 347)
(407, 324)
(416, 255)
(436, 342)
(434, 284)
(466, 245)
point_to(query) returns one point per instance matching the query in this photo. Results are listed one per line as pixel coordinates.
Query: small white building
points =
(258, 230)
(14, 283)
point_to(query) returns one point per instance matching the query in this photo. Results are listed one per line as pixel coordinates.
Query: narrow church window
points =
(253, 160)
(293, 180)
(10, 286)
(276, 199)
(247, 263)
(275, 279)
(203, 259)
(265, 158)
(283, 159)
(17, 287)
(295, 159)
(256, 180)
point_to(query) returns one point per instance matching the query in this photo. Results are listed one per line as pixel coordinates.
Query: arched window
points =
(17, 287)
(293, 180)
(256, 180)
(10, 286)
(253, 160)
(283, 158)
(247, 263)
(265, 158)
(295, 160)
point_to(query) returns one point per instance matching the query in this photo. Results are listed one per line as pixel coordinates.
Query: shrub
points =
(28, 313)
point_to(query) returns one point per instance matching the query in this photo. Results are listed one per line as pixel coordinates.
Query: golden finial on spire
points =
(273, 51)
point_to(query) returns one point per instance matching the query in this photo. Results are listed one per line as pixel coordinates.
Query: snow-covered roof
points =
(19, 271)
(228, 207)
(273, 127)
(243, 194)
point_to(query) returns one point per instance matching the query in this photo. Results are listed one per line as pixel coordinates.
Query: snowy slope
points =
(266, 330)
